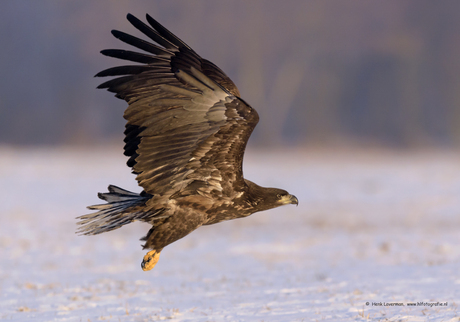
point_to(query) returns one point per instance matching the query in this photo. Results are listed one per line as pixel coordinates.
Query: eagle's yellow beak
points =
(294, 200)
(289, 199)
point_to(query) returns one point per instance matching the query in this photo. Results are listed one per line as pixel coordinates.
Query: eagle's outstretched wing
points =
(187, 128)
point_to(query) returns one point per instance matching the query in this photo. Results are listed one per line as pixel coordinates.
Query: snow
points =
(372, 226)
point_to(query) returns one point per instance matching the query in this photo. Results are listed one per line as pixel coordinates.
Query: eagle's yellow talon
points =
(150, 260)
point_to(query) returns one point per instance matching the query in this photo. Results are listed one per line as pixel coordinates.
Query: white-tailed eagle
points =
(186, 133)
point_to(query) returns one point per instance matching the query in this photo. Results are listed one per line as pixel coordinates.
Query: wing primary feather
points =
(124, 70)
(133, 56)
(167, 34)
(149, 32)
(141, 44)
(113, 83)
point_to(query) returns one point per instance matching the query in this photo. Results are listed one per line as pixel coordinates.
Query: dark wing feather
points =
(166, 34)
(151, 33)
(125, 70)
(131, 56)
(187, 129)
(139, 43)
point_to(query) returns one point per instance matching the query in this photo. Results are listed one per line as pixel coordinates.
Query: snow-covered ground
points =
(372, 227)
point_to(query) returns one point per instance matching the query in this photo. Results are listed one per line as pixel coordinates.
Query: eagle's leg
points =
(150, 260)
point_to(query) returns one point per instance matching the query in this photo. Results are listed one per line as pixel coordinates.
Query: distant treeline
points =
(380, 72)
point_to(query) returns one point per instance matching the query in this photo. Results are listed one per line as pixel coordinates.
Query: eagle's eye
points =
(278, 196)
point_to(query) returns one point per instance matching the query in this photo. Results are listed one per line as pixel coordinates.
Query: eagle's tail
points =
(122, 207)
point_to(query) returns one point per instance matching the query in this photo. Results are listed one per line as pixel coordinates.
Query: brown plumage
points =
(186, 133)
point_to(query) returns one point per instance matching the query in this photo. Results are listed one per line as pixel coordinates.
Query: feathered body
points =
(186, 133)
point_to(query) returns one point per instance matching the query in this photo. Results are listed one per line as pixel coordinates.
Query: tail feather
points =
(117, 194)
(123, 207)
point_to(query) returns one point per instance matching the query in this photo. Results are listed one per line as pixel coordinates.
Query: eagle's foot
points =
(150, 260)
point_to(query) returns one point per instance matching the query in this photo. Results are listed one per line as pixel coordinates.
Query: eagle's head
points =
(267, 198)
(274, 197)
(284, 198)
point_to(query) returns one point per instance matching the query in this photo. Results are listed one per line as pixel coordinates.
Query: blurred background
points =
(378, 219)
(383, 73)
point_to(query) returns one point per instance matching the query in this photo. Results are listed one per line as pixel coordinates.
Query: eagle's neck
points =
(256, 197)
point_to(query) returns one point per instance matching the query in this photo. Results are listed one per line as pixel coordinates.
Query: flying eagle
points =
(186, 133)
